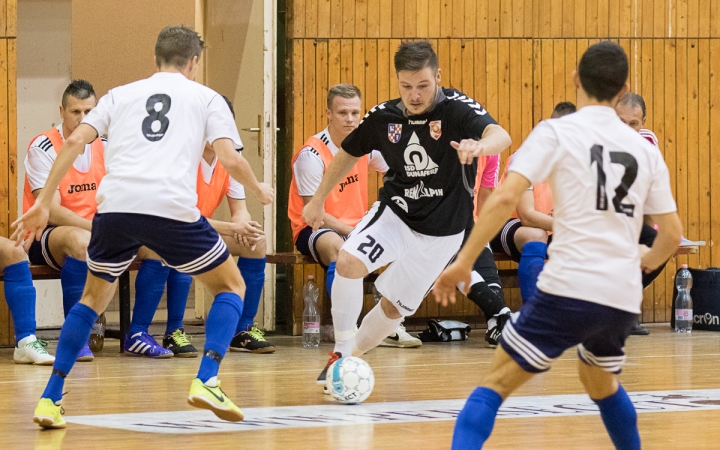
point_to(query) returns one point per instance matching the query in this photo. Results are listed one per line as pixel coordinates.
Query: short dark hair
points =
(603, 70)
(415, 56)
(563, 109)
(80, 89)
(632, 100)
(344, 91)
(230, 105)
(176, 46)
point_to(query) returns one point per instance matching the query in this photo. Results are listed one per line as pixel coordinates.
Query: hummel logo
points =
(220, 398)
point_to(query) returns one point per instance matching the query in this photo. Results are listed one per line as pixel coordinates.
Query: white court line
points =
(310, 416)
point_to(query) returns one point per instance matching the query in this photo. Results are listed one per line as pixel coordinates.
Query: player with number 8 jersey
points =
(158, 128)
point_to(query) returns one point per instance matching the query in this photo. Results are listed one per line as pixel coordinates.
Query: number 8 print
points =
(154, 116)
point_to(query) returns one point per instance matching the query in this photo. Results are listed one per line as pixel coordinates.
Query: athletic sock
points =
(72, 279)
(532, 261)
(620, 419)
(219, 330)
(489, 298)
(20, 297)
(347, 303)
(178, 288)
(375, 327)
(476, 420)
(73, 337)
(149, 288)
(329, 277)
(253, 273)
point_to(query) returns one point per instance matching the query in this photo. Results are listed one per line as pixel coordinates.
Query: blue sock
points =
(475, 422)
(532, 261)
(620, 419)
(20, 296)
(329, 277)
(253, 272)
(219, 331)
(73, 336)
(72, 278)
(149, 288)
(178, 288)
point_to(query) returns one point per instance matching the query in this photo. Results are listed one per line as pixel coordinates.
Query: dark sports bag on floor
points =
(445, 331)
(705, 294)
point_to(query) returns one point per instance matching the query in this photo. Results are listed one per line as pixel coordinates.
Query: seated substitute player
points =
(524, 238)
(347, 204)
(64, 242)
(590, 289)
(430, 138)
(148, 197)
(20, 297)
(244, 238)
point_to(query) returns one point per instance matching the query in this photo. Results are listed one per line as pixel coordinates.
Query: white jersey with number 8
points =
(604, 177)
(157, 129)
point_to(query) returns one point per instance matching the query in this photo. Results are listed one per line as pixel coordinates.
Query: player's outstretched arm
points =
(314, 211)
(529, 217)
(666, 242)
(238, 168)
(495, 212)
(332, 222)
(62, 216)
(34, 221)
(494, 140)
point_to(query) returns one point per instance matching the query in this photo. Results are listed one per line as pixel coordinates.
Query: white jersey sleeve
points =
(308, 170)
(236, 190)
(99, 117)
(660, 199)
(377, 162)
(538, 154)
(220, 123)
(38, 162)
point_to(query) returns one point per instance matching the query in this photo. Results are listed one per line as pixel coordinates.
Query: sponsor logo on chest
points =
(349, 180)
(74, 188)
(417, 161)
(418, 191)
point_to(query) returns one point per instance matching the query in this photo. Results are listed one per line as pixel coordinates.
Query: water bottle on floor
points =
(683, 302)
(97, 334)
(311, 316)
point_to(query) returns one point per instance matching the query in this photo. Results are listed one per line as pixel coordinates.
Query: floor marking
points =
(333, 414)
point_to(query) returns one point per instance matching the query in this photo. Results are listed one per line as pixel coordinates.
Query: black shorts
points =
(307, 242)
(504, 242)
(39, 253)
(191, 248)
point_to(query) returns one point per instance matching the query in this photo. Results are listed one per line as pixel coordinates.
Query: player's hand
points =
(648, 260)
(247, 234)
(313, 214)
(454, 275)
(30, 226)
(265, 193)
(468, 149)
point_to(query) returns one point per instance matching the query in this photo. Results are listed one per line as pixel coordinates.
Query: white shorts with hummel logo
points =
(416, 260)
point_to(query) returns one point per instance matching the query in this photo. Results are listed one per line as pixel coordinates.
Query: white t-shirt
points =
(235, 190)
(41, 156)
(309, 167)
(157, 129)
(594, 254)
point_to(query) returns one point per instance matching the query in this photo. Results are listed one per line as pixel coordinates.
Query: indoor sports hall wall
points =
(514, 57)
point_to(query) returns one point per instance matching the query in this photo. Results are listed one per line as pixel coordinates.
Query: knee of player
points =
(76, 243)
(349, 266)
(390, 310)
(10, 254)
(529, 234)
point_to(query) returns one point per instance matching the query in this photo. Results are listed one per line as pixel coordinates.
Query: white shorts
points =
(381, 238)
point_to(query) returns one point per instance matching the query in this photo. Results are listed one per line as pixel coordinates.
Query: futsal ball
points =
(350, 380)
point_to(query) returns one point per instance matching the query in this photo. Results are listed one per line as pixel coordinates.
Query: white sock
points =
(492, 322)
(375, 327)
(212, 382)
(347, 303)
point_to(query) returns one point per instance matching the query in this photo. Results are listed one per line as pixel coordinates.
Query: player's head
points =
(344, 105)
(77, 101)
(179, 48)
(416, 66)
(563, 109)
(602, 72)
(631, 110)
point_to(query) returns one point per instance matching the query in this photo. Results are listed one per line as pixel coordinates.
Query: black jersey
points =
(426, 185)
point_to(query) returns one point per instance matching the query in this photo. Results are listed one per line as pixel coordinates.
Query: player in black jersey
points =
(430, 138)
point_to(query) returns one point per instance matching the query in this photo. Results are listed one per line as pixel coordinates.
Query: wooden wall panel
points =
(515, 57)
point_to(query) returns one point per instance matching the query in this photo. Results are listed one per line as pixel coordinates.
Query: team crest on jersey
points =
(417, 161)
(435, 129)
(394, 132)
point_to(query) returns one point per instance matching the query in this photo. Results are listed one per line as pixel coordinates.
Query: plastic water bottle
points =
(683, 302)
(311, 316)
(97, 334)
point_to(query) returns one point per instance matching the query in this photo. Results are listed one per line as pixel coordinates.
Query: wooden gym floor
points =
(125, 387)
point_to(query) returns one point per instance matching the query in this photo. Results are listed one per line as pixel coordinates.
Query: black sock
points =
(490, 299)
